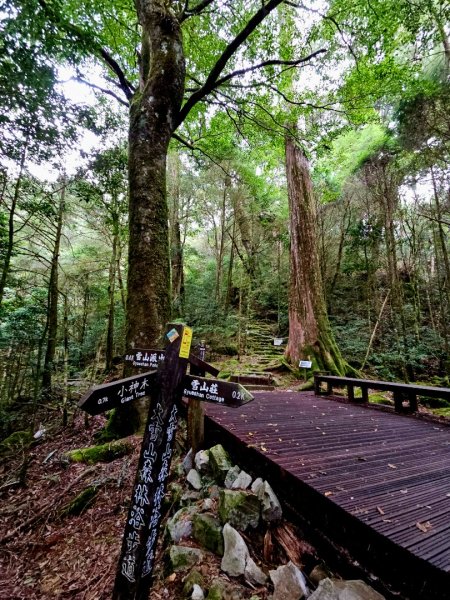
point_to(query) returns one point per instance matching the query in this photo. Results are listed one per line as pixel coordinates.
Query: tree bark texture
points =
(310, 335)
(52, 311)
(153, 112)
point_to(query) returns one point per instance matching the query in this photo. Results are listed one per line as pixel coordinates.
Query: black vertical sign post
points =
(134, 571)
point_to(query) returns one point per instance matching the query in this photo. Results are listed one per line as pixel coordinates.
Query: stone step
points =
(252, 379)
(260, 388)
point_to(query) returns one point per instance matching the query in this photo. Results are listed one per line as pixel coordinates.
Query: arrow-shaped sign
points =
(216, 391)
(101, 398)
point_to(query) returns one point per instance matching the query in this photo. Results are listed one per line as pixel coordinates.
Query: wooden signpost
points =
(166, 386)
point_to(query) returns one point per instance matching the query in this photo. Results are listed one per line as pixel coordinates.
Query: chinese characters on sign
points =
(110, 395)
(150, 359)
(167, 385)
(214, 390)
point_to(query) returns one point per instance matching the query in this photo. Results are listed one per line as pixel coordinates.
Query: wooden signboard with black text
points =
(166, 386)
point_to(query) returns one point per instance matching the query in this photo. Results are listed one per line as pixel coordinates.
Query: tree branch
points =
(197, 149)
(268, 63)
(97, 87)
(222, 61)
(78, 33)
(195, 10)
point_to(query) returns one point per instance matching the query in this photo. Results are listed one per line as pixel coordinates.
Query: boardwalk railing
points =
(401, 391)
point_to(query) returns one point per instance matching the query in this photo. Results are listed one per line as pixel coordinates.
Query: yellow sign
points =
(186, 340)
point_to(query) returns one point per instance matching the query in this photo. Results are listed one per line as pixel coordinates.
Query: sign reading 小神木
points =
(104, 397)
(166, 386)
(305, 364)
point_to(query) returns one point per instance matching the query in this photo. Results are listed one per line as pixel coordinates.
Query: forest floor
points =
(46, 553)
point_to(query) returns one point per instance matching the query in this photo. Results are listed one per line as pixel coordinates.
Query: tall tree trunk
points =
(220, 253)
(12, 213)
(230, 268)
(310, 335)
(153, 112)
(153, 118)
(109, 350)
(52, 311)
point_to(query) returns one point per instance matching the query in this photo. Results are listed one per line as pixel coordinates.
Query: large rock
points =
(194, 479)
(253, 574)
(236, 559)
(220, 462)
(224, 590)
(183, 557)
(289, 582)
(242, 481)
(188, 462)
(202, 462)
(231, 476)
(235, 552)
(336, 589)
(208, 532)
(197, 593)
(241, 509)
(270, 505)
(180, 525)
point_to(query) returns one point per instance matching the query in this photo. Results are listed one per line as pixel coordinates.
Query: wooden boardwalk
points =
(375, 483)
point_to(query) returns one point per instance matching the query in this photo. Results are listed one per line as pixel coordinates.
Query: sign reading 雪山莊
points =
(216, 391)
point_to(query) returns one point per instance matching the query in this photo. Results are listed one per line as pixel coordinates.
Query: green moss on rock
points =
(208, 533)
(81, 502)
(102, 453)
(16, 441)
(194, 577)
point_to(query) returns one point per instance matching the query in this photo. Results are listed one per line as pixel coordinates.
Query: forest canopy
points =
(107, 235)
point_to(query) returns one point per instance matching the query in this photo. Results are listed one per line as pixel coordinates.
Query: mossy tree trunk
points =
(153, 112)
(310, 335)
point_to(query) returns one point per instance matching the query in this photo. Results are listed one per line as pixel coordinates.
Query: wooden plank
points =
(365, 478)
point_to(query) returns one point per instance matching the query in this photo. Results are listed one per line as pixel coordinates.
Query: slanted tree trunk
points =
(310, 335)
(52, 310)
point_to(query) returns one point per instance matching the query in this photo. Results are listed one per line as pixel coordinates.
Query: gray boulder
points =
(183, 557)
(256, 485)
(240, 508)
(336, 589)
(236, 559)
(208, 532)
(253, 574)
(202, 461)
(220, 462)
(231, 476)
(242, 481)
(197, 593)
(194, 479)
(188, 462)
(289, 582)
(235, 553)
(180, 525)
(270, 505)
